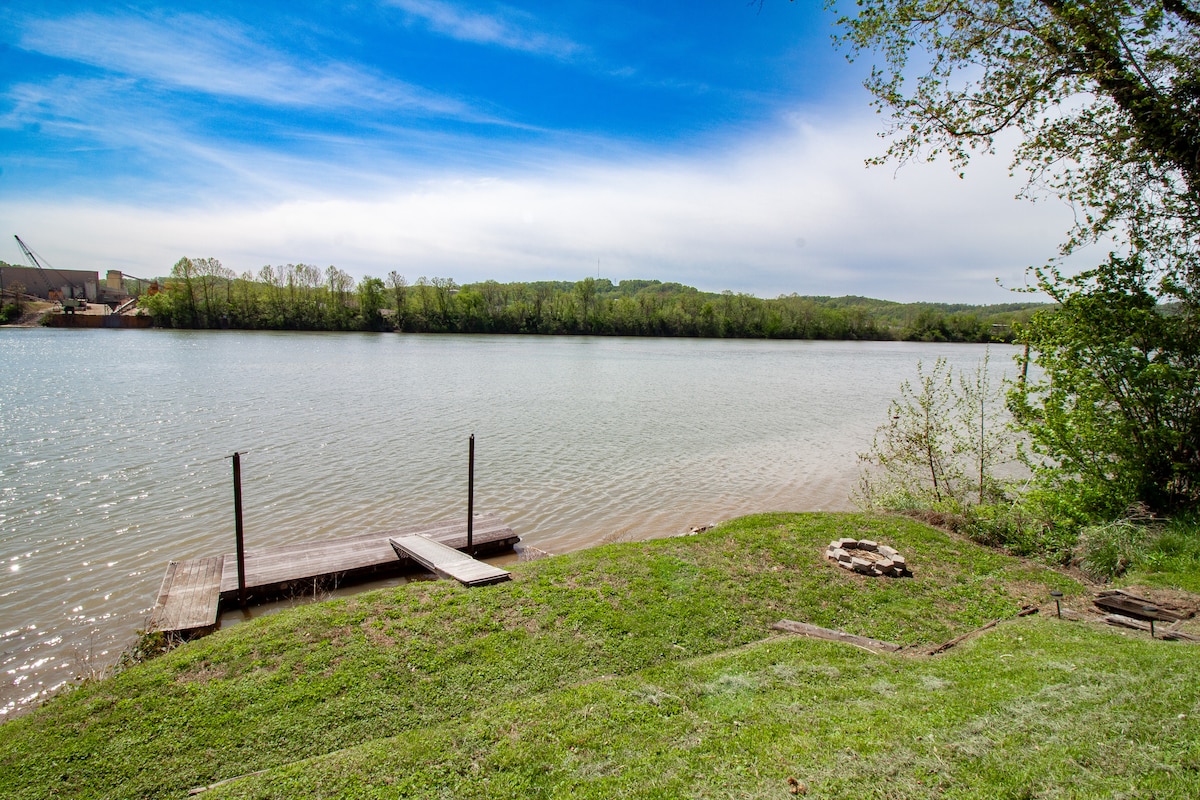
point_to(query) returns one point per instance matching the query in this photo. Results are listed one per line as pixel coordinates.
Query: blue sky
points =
(717, 143)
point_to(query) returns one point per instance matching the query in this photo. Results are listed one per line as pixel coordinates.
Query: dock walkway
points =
(189, 597)
(194, 592)
(446, 561)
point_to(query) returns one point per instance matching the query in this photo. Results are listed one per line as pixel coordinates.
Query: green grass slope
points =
(645, 670)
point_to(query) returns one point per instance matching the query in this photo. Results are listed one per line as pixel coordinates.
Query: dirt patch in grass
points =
(951, 523)
(203, 674)
(1185, 604)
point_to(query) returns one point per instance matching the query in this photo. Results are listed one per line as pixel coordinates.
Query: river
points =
(116, 450)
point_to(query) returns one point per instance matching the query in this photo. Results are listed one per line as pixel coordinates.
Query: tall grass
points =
(1163, 553)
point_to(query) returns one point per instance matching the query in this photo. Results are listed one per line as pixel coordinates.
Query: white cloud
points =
(508, 28)
(223, 58)
(795, 213)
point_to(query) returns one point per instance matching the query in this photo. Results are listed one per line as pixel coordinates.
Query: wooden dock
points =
(447, 562)
(189, 597)
(195, 591)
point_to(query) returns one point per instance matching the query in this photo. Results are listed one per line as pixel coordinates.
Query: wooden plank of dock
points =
(189, 597)
(272, 571)
(193, 591)
(447, 562)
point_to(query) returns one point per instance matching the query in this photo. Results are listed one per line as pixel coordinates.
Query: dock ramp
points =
(447, 562)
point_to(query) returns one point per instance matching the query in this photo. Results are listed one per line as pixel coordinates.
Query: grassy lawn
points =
(1033, 709)
(647, 670)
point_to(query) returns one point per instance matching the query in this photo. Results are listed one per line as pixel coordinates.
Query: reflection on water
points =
(116, 445)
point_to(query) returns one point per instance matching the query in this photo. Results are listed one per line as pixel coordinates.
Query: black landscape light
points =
(1057, 595)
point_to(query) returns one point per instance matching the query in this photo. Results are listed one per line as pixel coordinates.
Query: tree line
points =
(202, 293)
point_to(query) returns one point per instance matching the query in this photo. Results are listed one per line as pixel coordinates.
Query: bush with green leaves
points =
(941, 444)
(1142, 549)
(1115, 413)
(12, 311)
(1109, 549)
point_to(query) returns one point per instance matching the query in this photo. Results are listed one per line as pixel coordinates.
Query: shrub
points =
(1108, 550)
(940, 445)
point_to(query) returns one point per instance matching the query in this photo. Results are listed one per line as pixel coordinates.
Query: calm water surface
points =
(116, 444)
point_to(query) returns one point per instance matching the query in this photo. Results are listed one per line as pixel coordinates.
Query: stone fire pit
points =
(867, 557)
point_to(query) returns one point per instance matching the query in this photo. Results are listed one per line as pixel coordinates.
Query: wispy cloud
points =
(796, 212)
(226, 59)
(188, 134)
(507, 27)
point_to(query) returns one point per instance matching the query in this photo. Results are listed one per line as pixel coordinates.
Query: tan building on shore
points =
(68, 283)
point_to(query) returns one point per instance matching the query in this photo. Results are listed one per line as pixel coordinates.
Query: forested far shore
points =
(201, 293)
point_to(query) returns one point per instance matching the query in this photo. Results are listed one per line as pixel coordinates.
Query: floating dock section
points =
(447, 562)
(189, 597)
(195, 591)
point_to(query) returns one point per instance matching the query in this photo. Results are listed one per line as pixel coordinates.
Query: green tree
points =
(159, 305)
(1104, 99)
(246, 304)
(308, 296)
(183, 292)
(424, 293)
(1104, 96)
(338, 311)
(1117, 412)
(214, 282)
(370, 303)
(927, 326)
(10, 312)
(984, 431)
(941, 443)
(399, 286)
(585, 293)
(444, 292)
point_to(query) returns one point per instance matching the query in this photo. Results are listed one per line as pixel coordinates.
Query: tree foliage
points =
(941, 444)
(202, 294)
(1104, 96)
(1117, 409)
(1104, 101)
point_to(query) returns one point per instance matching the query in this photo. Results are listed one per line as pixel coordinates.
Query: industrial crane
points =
(69, 304)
